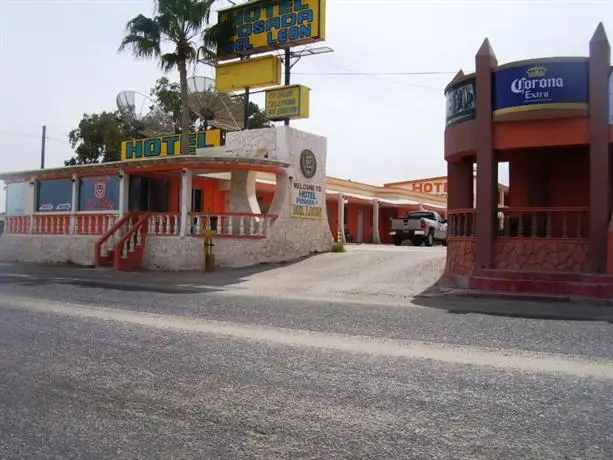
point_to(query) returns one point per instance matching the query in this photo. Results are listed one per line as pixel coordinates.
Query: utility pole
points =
(288, 69)
(42, 147)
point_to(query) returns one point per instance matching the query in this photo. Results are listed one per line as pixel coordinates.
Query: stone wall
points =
(460, 256)
(548, 255)
(74, 249)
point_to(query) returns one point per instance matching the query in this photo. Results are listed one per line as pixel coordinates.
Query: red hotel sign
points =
(430, 187)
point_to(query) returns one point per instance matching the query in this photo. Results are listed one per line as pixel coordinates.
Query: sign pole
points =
(288, 69)
(246, 111)
(42, 147)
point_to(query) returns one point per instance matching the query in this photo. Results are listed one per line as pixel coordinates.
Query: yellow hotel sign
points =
(165, 146)
(264, 25)
(259, 72)
(287, 102)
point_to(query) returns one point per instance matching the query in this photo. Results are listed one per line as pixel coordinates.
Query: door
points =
(360, 235)
(148, 194)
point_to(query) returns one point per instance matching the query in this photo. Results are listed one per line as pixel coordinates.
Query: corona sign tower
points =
(267, 26)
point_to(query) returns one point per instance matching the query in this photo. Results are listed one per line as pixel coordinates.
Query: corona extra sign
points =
(264, 25)
(165, 146)
(287, 102)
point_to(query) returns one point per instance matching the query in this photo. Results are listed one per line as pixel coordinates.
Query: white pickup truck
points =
(419, 227)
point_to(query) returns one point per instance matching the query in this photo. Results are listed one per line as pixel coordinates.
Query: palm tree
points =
(180, 23)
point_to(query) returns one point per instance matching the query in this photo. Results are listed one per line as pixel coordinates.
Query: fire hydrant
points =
(209, 257)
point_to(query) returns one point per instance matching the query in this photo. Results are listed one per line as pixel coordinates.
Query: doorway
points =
(360, 235)
(148, 194)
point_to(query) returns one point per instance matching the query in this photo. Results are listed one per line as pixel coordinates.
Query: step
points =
(568, 277)
(564, 288)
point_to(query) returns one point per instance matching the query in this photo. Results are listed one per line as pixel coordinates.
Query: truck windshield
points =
(420, 215)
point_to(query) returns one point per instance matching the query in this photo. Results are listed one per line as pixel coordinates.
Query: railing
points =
(105, 245)
(555, 222)
(17, 224)
(461, 223)
(164, 224)
(61, 224)
(229, 225)
(128, 252)
(531, 222)
(236, 225)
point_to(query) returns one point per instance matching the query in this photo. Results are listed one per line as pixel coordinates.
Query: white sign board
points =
(308, 201)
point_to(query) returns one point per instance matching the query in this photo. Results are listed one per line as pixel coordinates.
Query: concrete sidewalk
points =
(247, 282)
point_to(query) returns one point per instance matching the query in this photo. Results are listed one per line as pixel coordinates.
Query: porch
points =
(549, 239)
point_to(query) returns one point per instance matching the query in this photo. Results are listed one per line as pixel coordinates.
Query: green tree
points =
(167, 95)
(181, 23)
(98, 137)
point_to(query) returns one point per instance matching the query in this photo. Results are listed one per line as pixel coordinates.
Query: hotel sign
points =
(156, 147)
(265, 25)
(307, 201)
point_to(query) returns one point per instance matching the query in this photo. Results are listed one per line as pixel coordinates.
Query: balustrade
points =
(531, 222)
(232, 224)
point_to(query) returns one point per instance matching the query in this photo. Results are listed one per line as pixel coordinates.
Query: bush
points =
(338, 247)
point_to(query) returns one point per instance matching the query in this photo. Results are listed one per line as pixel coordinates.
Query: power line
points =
(33, 136)
(374, 73)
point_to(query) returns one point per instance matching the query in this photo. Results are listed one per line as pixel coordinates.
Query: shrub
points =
(338, 247)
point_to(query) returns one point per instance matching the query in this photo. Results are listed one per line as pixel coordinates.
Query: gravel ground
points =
(263, 365)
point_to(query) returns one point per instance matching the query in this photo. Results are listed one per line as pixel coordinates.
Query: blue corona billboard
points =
(545, 85)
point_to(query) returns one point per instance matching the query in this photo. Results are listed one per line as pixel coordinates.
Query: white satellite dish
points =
(144, 114)
(216, 109)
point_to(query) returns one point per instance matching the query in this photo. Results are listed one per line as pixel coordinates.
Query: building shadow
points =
(442, 295)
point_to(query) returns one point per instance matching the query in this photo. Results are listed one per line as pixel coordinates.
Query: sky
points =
(380, 128)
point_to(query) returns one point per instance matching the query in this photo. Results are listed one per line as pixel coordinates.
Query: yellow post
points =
(209, 257)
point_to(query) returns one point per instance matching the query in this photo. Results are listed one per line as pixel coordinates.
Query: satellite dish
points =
(216, 109)
(148, 118)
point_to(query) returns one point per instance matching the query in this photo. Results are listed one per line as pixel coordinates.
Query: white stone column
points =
(186, 200)
(376, 238)
(75, 204)
(34, 202)
(341, 217)
(124, 193)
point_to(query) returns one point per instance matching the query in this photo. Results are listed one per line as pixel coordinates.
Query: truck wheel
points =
(397, 241)
(429, 239)
(444, 242)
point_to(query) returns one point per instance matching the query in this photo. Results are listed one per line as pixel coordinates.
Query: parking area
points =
(363, 274)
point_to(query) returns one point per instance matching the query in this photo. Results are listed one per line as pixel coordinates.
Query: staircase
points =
(123, 246)
(545, 284)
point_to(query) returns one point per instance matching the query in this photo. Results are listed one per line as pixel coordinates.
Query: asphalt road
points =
(91, 372)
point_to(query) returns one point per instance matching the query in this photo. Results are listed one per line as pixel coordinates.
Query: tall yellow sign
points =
(259, 72)
(265, 25)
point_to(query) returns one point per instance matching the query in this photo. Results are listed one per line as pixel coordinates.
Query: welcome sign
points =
(307, 201)
(545, 85)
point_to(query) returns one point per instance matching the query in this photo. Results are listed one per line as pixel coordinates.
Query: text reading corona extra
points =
(263, 25)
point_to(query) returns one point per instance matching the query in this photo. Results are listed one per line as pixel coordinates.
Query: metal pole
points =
(288, 69)
(42, 147)
(246, 111)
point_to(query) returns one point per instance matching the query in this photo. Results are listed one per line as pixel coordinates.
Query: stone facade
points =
(541, 255)
(460, 256)
(288, 238)
(76, 249)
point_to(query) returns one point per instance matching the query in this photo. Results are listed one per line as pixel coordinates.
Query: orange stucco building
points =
(548, 118)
